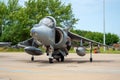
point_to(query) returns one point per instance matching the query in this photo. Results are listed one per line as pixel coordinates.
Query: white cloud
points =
(21, 2)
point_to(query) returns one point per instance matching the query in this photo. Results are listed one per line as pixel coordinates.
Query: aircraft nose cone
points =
(33, 32)
(43, 34)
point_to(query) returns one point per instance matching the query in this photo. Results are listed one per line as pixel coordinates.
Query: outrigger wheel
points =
(32, 58)
(91, 59)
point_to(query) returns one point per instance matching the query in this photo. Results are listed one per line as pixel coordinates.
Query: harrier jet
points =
(56, 40)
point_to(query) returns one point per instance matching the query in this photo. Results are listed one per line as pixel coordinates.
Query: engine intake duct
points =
(58, 35)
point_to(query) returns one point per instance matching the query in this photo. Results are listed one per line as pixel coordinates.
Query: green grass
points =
(110, 50)
(6, 49)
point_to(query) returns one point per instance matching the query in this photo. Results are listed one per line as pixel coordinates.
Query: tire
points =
(62, 58)
(50, 60)
(58, 59)
(91, 59)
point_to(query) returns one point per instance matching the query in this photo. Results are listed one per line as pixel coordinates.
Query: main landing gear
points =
(50, 60)
(59, 58)
(62, 58)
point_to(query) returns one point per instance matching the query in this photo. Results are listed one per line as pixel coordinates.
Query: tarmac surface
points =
(17, 66)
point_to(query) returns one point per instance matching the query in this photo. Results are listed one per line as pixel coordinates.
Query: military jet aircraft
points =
(57, 40)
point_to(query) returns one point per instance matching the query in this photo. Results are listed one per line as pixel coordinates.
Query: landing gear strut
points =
(91, 52)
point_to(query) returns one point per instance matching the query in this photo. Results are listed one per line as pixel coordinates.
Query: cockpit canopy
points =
(48, 21)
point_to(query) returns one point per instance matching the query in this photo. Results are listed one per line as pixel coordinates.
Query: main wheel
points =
(62, 58)
(50, 60)
(58, 59)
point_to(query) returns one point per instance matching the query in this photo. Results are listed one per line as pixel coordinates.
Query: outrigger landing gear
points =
(91, 60)
(32, 58)
(91, 52)
(58, 59)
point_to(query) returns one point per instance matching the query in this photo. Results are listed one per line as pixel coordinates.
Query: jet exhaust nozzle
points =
(33, 50)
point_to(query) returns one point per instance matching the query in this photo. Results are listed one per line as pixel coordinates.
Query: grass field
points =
(110, 50)
(6, 49)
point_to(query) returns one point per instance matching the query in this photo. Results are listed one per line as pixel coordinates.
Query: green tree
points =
(61, 12)
(11, 22)
(97, 36)
(111, 38)
(19, 20)
(3, 13)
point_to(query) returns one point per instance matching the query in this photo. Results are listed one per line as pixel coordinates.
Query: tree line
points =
(97, 36)
(16, 20)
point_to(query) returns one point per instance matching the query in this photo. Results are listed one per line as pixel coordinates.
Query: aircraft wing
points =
(77, 37)
(26, 43)
(2, 44)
